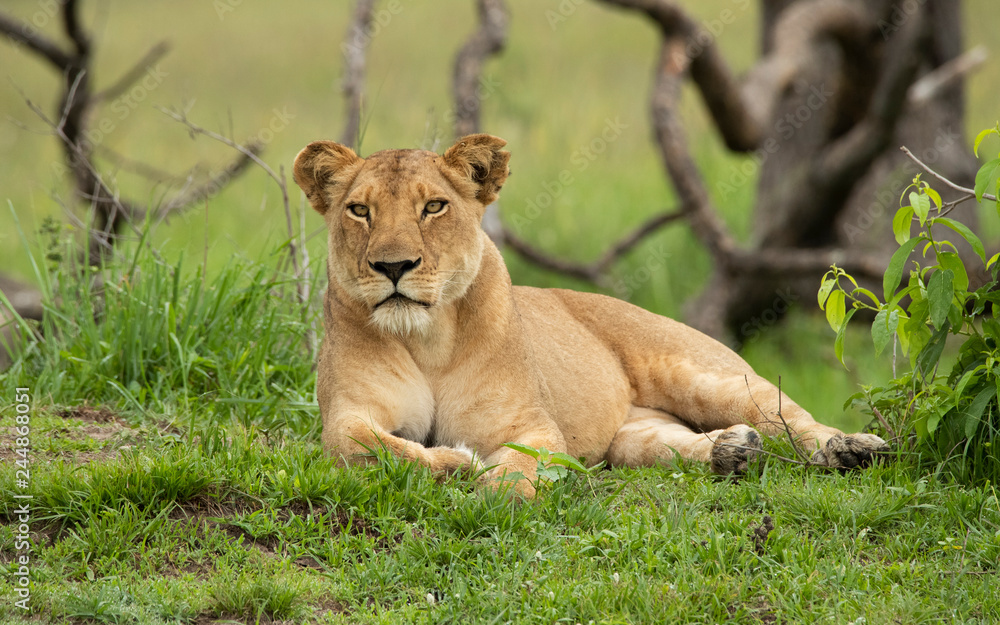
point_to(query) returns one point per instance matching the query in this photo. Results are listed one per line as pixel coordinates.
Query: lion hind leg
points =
(714, 399)
(650, 437)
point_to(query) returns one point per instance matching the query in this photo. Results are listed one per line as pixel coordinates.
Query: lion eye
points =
(434, 206)
(358, 210)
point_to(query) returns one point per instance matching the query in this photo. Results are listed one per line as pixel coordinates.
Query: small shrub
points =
(951, 410)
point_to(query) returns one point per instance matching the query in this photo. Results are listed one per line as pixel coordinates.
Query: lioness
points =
(432, 353)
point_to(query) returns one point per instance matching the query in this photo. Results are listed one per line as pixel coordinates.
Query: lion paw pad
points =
(735, 449)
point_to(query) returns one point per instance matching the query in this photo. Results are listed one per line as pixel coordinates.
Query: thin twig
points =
(770, 453)
(885, 424)
(294, 250)
(788, 430)
(190, 195)
(949, 183)
(182, 118)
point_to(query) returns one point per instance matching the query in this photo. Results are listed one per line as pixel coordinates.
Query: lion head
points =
(404, 225)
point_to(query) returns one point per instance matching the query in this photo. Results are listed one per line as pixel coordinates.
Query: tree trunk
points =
(837, 83)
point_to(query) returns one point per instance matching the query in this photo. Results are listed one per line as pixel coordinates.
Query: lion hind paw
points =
(849, 451)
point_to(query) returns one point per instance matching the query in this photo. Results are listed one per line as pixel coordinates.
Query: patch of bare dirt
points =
(82, 423)
(100, 414)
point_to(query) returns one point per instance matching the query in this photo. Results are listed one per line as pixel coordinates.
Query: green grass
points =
(232, 526)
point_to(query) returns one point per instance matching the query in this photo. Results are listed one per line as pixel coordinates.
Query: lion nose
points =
(395, 271)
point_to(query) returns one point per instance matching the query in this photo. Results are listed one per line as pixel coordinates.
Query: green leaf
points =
(974, 413)
(918, 337)
(933, 419)
(568, 461)
(836, 307)
(884, 328)
(979, 139)
(921, 206)
(552, 473)
(934, 195)
(939, 296)
(826, 288)
(968, 235)
(929, 356)
(863, 291)
(838, 345)
(901, 224)
(524, 449)
(952, 261)
(992, 260)
(894, 272)
(986, 178)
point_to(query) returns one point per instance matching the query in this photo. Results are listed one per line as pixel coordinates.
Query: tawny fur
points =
(464, 361)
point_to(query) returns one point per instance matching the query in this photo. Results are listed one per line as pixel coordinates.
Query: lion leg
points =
(354, 439)
(537, 430)
(828, 445)
(650, 437)
(720, 400)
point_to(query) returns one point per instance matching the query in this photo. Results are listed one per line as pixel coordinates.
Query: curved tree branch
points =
(23, 33)
(740, 127)
(488, 40)
(596, 271)
(355, 48)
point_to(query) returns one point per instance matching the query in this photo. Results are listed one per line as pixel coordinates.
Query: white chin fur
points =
(401, 319)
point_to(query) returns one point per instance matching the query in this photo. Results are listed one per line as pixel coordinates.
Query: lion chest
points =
(440, 409)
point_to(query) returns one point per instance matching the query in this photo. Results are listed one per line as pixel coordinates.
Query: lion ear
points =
(479, 159)
(323, 166)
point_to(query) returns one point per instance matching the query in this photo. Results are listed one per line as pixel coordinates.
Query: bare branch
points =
(210, 187)
(74, 28)
(355, 48)
(931, 83)
(804, 261)
(529, 253)
(596, 271)
(681, 168)
(884, 423)
(627, 243)
(246, 151)
(126, 163)
(136, 72)
(969, 192)
(797, 32)
(24, 33)
(740, 129)
(487, 41)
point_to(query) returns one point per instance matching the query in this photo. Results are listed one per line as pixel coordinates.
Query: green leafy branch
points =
(923, 301)
(552, 466)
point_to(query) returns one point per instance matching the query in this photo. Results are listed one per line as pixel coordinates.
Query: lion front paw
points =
(848, 451)
(735, 449)
(458, 459)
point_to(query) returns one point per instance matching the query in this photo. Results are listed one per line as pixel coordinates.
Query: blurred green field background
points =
(273, 72)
